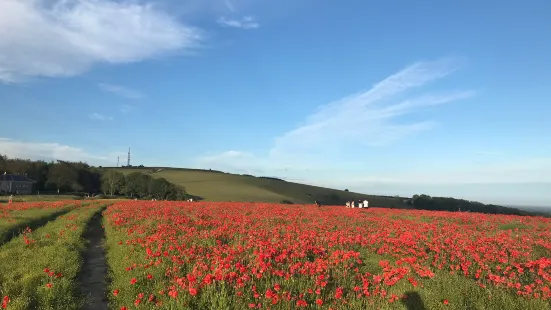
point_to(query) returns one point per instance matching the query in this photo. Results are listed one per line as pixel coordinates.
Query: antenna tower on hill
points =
(128, 162)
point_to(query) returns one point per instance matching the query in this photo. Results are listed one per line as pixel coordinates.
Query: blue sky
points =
(394, 97)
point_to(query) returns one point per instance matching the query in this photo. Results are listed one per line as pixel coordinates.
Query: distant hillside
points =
(544, 211)
(214, 185)
(160, 182)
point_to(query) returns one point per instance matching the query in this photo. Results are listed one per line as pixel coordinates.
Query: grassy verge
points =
(38, 270)
(17, 217)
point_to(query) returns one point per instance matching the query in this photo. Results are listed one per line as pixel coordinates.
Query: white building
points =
(15, 184)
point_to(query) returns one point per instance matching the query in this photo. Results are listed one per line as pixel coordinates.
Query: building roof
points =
(14, 178)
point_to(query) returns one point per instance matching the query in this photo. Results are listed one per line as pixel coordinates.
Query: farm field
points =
(239, 255)
(242, 255)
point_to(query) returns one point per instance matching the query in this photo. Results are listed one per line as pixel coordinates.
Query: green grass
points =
(30, 198)
(217, 186)
(14, 222)
(513, 226)
(57, 246)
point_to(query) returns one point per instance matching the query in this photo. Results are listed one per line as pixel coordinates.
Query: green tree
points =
(137, 184)
(3, 163)
(159, 188)
(63, 177)
(112, 182)
(177, 192)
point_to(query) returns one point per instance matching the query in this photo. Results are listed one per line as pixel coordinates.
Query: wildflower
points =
(5, 302)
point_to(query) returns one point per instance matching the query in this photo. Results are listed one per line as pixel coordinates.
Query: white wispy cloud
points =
(370, 118)
(247, 22)
(53, 151)
(365, 120)
(527, 170)
(121, 91)
(229, 5)
(125, 108)
(100, 117)
(60, 38)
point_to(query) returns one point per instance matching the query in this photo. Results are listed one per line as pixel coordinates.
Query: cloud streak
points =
(247, 22)
(121, 91)
(125, 108)
(375, 118)
(100, 117)
(63, 38)
(229, 5)
(51, 151)
(371, 118)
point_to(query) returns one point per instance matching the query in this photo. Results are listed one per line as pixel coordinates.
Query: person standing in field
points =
(11, 199)
(352, 204)
(366, 203)
(348, 204)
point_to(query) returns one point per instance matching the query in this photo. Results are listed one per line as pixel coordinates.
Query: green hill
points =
(219, 186)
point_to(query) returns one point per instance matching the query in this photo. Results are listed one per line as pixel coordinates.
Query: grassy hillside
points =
(218, 186)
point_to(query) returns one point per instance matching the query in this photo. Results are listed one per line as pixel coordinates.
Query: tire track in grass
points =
(94, 272)
(9, 231)
(15, 231)
(39, 269)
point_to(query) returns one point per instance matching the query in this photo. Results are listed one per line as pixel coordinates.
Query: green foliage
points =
(286, 202)
(77, 177)
(61, 175)
(142, 185)
(112, 182)
(137, 184)
(425, 202)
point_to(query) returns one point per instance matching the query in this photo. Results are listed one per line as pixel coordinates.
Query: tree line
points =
(78, 177)
(426, 202)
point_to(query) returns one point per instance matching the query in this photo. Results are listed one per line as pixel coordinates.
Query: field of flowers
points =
(39, 268)
(175, 255)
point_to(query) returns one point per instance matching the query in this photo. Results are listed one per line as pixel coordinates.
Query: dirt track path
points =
(94, 271)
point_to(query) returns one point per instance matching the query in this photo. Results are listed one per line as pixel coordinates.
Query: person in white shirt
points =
(366, 204)
(348, 204)
(352, 204)
(11, 199)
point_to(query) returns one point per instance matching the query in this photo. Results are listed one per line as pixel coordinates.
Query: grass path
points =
(94, 270)
(39, 268)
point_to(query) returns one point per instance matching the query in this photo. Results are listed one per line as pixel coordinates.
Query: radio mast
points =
(128, 162)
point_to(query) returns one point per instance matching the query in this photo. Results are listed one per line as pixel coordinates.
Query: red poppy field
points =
(243, 255)
(176, 255)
